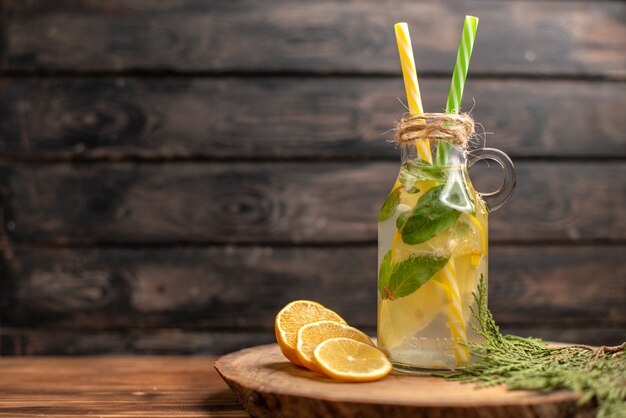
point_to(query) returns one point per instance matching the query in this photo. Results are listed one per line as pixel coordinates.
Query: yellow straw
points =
(456, 321)
(447, 278)
(411, 85)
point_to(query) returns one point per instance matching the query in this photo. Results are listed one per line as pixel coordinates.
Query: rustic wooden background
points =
(173, 172)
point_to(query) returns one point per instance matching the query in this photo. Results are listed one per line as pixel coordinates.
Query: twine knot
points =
(448, 126)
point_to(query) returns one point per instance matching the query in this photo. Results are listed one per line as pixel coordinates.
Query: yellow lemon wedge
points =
(292, 317)
(311, 335)
(351, 360)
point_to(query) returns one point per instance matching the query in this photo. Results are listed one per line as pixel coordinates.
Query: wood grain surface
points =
(22, 341)
(229, 288)
(271, 387)
(287, 117)
(114, 387)
(283, 202)
(331, 36)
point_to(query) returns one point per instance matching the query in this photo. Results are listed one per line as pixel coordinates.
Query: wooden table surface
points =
(114, 387)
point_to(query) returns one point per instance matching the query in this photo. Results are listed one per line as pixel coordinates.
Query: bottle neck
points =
(456, 156)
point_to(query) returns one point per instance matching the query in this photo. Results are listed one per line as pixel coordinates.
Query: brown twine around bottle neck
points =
(457, 129)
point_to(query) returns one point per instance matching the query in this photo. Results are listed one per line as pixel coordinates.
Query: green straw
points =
(458, 79)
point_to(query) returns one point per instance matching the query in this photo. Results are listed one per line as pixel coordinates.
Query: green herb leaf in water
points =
(430, 217)
(410, 274)
(598, 373)
(384, 274)
(402, 218)
(390, 205)
(412, 172)
(409, 182)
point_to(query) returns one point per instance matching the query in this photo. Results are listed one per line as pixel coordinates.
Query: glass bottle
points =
(432, 254)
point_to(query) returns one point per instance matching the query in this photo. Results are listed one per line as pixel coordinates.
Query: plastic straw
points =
(411, 85)
(447, 277)
(447, 281)
(461, 66)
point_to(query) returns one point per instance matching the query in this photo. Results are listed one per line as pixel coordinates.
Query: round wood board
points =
(268, 385)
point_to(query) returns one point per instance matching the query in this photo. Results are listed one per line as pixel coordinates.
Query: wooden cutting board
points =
(268, 385)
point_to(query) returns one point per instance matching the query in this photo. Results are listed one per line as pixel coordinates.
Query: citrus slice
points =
(401, 319)
(292, 317)
(350, 360)
(311, 335)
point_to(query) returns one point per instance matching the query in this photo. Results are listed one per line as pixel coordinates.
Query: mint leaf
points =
(390, 205)
(384, 274)
(408, 181)
(412, 172)
(402, 219)
(410, 274)
(429, 217)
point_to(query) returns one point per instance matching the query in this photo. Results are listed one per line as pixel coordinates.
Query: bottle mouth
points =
(453, 128)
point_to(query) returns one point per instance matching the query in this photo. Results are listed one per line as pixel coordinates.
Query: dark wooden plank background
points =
(173, 172)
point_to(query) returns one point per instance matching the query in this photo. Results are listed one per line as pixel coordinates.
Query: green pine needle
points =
(599, 373)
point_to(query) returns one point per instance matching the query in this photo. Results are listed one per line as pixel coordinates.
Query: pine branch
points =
(530, 364)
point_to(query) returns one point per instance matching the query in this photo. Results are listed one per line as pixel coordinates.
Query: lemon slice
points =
(402, 318)
(311, 335)
(293, 316)
(350, 360)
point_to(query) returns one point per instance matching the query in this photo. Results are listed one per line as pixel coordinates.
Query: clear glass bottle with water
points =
(432, 253)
